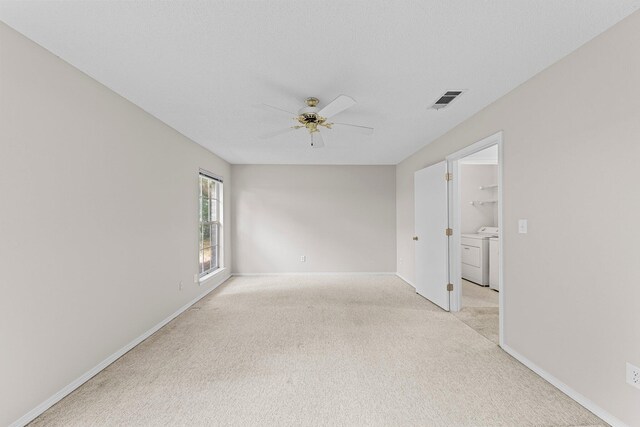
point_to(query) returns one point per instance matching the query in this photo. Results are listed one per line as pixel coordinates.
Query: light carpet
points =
(483, 320)
(478, 296)
(316, 350)
(480, 310)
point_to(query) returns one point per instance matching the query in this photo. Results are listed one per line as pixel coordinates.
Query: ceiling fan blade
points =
(365, 130)
(276, 133)
(268, 107)
(341, 103)
(316, 140)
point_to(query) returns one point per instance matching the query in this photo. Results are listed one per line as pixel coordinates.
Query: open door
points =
(431, 240)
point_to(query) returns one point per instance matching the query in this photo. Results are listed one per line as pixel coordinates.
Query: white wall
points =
(472, 217)
(98, 223)
(342, 218)
(571, 147)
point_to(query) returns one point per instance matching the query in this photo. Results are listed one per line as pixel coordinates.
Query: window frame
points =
(218, 223)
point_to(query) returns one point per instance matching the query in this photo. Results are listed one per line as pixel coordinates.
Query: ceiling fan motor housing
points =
(312, 106)
(308, 110)
(312, 120)
(308, 116)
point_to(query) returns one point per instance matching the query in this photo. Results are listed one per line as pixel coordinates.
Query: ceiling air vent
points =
(446, 99)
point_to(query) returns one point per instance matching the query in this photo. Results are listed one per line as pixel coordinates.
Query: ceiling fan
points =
(313, 119)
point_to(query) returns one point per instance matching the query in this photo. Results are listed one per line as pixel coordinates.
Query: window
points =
(210, 224)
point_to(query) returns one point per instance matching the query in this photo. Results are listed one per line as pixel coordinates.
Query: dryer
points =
(475, 255)
(494, 263)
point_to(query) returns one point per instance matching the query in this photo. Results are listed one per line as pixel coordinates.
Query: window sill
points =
(211, 275)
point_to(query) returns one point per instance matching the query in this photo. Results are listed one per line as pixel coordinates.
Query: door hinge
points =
(448, 176)
(449, 287)
(448, 232)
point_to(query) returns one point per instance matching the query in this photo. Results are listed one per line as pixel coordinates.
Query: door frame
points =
(455, 255)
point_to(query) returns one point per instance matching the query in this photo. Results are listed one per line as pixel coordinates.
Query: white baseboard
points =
(405, 280)
(588, 404)
(35, 412)
(322, 273)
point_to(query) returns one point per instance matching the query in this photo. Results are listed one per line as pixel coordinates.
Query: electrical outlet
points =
(196, 278)
(303, 258)
(633, 375)
(180, 285)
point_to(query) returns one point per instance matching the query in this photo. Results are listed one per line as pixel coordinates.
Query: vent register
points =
(446, 99)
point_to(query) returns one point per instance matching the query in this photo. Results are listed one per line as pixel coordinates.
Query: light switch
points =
(522, 226)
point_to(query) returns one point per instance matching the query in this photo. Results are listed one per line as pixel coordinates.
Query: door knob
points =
(415, 237)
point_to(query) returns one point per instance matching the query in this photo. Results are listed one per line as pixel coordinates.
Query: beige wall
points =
(342, 218)
(98, 223)
(571, 147)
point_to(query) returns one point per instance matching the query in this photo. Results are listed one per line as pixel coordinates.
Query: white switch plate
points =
(633, 375)
(303, 258)
(522, 226)
(196, 278)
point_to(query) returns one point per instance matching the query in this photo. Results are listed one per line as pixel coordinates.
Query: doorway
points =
(439, 236)
(476, 245)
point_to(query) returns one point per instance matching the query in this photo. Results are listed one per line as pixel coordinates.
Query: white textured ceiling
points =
(199, 66)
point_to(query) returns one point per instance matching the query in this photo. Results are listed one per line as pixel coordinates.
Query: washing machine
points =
(475, 255)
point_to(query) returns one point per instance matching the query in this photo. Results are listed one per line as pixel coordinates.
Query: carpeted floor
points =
(316, 350)
(480, 310)
(478, 296)
(483, 320)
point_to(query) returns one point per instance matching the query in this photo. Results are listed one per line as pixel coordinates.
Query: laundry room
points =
(479, 252)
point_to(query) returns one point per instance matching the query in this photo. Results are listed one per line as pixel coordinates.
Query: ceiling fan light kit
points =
(313, 119)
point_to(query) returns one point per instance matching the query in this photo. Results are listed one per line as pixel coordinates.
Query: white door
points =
(432, 244)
